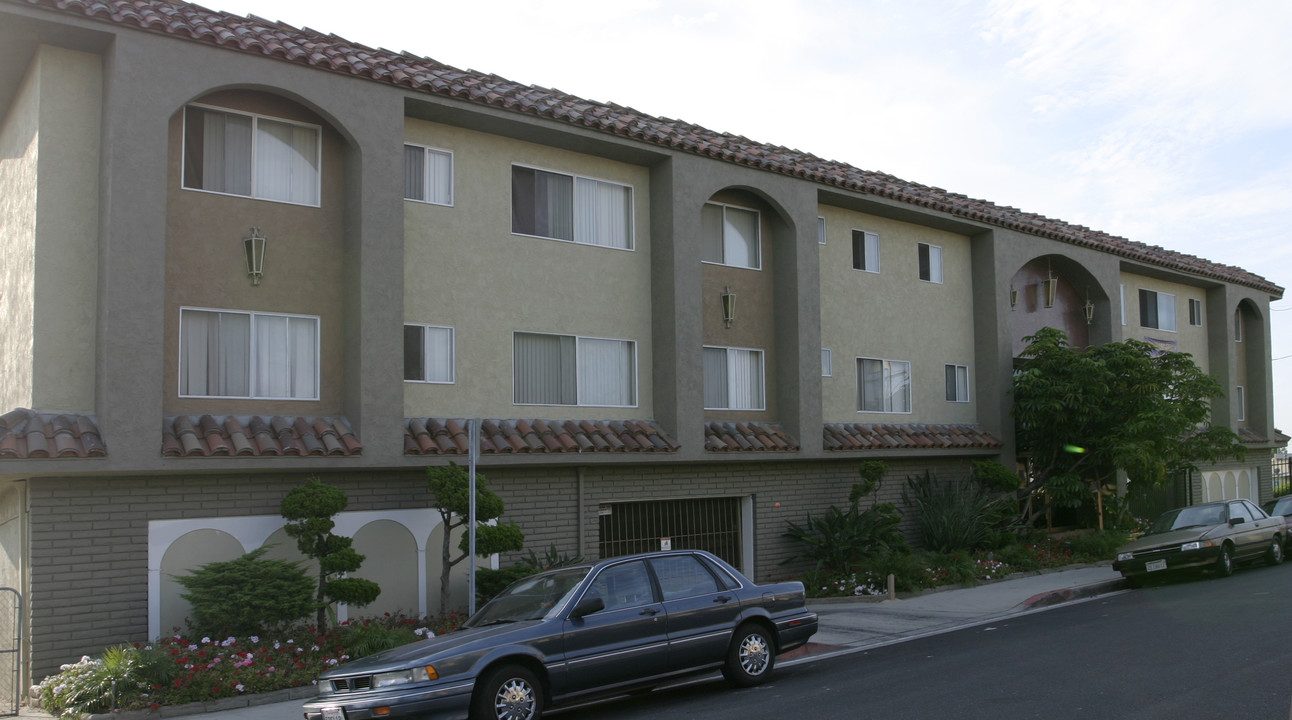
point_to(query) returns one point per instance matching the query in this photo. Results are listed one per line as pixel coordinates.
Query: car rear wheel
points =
(1225, 563)
(1274, 555)
(751, 656)
(510, 692)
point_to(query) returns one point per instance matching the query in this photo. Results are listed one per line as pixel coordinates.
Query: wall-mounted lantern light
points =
(1088, 308)
(728, 306)
(1050, 286)
(1013, 296)
(255, 249)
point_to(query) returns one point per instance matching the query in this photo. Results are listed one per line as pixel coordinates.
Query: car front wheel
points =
(1274, 555)
(510, 692)
(1225, 563)
(750, 657)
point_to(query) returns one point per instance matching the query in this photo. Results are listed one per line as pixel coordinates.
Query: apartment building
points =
(238, 254)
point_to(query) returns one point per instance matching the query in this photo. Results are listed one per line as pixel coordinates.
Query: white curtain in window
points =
(439, 354)
(603, 213)
(304, 357)
(273, 357)
(286, 162)
(715, 378)
(606, 375)
(414, 172)
(935, 264)
(553, 205)
(1166, 311)
(745, 375)
(899, 386)
(226, 153)
(740, 237)
(214, 354)
(544, 369)
(439, 177)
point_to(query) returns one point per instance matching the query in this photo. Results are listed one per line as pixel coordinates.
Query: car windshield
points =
(1283, 506)
(530, 598)
(1199, 516)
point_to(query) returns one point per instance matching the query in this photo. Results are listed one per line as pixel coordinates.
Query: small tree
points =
(309, 510)
(450, 488)
(247, 595)
(1084, 413)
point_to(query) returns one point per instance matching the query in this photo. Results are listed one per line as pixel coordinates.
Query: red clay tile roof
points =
(27, 434)
(747, 437)
(257, 436)
(1250, 437)
(857, 436)
(329, 52)
(448, 436)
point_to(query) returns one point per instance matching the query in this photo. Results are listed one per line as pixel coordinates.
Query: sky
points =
(1168, 122)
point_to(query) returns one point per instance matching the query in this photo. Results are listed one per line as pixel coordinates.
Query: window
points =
(1238, 326)
(730, 236)
(733, 379)
(820, 230)
(623, 586)
(865, 251)
(250, 155)
(682, 576)
(1242, 403)
(428, 354)
(1123, 301)
(428, 175)
(883, 385)
(957, 383)
(248, 355)
(565, 207)
(1195, 312)
(570, 370)
(827, 363)
(1157, 310)
(930, 263)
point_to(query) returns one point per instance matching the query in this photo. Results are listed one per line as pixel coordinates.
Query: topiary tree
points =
(309, 510)
(450, 488)
(247, 595)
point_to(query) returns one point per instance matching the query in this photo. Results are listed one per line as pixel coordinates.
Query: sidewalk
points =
(846, 625)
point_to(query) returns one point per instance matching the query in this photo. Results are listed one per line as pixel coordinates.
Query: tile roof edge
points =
(427, 75)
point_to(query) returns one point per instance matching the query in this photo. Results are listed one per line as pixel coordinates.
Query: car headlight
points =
(1196, 545)
(404, 677)
(1126, 556)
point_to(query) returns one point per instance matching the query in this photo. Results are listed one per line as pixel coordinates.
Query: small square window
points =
(428, 354)
(930, 263)
(883, 385)
(730, 236)
(428, 175)
(957, 383)
(865, 251)
(1195, 312)
(1157, 310)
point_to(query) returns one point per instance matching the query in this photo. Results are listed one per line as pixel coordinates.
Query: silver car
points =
(1214, 537)
(570, 634)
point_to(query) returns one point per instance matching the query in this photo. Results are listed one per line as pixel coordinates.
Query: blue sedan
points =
(576, 633)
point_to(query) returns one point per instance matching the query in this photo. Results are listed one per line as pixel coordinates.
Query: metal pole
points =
(473, 438)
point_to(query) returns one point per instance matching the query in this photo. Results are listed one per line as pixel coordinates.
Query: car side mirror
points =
(587, 606)
(1235, 521)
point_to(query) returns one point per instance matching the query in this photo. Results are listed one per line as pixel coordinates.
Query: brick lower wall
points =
(89, 537)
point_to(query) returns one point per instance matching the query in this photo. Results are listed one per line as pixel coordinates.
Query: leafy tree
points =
(451, 495)
(1084, 413)
(309, 510)
(247, 595)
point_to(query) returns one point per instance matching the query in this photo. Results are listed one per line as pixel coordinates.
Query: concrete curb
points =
(1058, 597)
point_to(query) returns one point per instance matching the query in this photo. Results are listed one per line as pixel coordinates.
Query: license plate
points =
(1150, 566)
(333, 713)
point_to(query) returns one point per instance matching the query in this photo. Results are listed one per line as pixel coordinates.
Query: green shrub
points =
(995, 476)
(123, 677)
(957, 514)
(839, 539)
(1096, 546)
(248, 595)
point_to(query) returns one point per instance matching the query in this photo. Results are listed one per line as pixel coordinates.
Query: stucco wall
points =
(1188, 338)
(19, 153)
(464, 268)
(893, 315)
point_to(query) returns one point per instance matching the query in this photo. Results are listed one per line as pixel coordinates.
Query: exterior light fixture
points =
(1088, 308)
(1013, 296)
(1050, 285)
(728, 306)
(255, 248)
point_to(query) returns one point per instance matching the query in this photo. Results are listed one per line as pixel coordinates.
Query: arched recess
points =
(189, 551)
(1251, 356)
(763, 289)
(1057, 291)
(389, 550)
